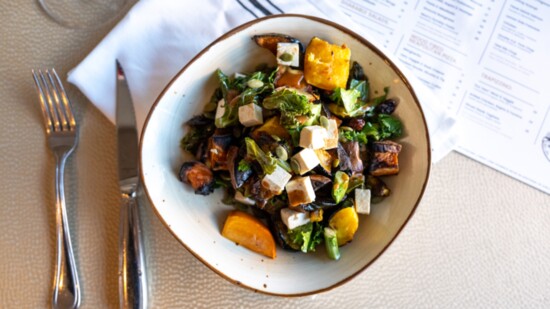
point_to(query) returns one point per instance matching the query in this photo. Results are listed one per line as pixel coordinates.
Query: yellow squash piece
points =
(345, 222)
(271, 127)
(249, 232)
(325, 65)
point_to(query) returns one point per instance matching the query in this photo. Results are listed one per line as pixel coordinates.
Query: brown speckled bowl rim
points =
(228, 35)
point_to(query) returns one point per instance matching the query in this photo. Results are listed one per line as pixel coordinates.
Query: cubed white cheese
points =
(220, 110)
(300, 191)
(276, 181)
(362, 201)
(288, 54)
(305, 160)
(293, 219)
(250, 115)
(313, 137)
(331, 141)
(239, 197)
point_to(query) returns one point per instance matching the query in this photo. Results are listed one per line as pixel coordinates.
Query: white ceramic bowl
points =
(196, 221)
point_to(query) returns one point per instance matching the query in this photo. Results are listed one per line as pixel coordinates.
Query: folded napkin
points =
(158, 37)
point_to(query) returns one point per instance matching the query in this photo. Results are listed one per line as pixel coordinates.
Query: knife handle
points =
(132, 278)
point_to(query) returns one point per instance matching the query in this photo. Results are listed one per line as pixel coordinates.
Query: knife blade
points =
(132, 278)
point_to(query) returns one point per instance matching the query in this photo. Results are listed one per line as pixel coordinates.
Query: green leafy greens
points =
(247, 94)
(306, 237)
(266, 160)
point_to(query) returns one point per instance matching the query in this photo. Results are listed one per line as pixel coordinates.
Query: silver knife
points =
(132, 278)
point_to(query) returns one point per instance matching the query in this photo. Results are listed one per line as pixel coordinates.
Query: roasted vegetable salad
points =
(299, 148)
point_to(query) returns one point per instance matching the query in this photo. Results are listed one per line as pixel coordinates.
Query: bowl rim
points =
(227, 35)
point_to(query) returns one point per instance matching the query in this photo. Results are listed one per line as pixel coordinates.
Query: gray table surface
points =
(478, 239)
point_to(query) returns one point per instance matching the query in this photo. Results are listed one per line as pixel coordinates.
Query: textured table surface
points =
(478, 239)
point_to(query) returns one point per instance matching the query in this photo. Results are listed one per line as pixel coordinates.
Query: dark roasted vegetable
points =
(266, 141)
(355, 181)
(200, 120)
(326, 160)
(280, 231)
(274, 205)
(344, 162)
(352, 150)
(356, 72)
(386, 107)
(239, 171)
(319, 181)
(385, 158)
(269, 41)
(356, 123)
(218, 145)
(377, 187)
(199, 176)
(324, 202)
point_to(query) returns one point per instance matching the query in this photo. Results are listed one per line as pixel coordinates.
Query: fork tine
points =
(53, 112)
(58, 105)
(43, 103)
(68, 108)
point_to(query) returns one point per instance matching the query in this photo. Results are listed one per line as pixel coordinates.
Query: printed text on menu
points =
(488, 62)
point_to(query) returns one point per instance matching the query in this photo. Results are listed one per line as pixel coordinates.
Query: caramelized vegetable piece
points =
(218, 145)
(345, 222)
(326, 66)
(249, 232)
(385, 159)
(352, 150)
(319, 181)
(290, 78)
(199, 176)
(269, 41)
(325, 159)
(272, 127)
(377, 187)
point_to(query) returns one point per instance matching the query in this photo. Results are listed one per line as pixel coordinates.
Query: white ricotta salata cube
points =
(293, 219)
(250, 115)
(313, 137)
(277, 180)
(288, 54)
(362, 201)
(300, 191)
(331, 140)
(305, 160)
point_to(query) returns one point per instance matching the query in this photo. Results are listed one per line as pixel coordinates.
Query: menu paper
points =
(489, 63)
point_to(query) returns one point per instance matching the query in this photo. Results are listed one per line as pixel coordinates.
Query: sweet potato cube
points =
(325, 65)
(249, 232)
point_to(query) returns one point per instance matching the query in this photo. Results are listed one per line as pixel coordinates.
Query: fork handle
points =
(66, 292)
(132, 277)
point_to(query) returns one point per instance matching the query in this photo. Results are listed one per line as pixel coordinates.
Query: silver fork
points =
(61, 133)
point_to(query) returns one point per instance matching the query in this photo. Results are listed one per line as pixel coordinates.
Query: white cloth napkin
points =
(158, 37)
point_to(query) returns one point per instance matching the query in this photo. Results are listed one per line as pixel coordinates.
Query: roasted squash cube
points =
(326, 66)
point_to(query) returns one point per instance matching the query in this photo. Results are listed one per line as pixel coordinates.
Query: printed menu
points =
(489, 63)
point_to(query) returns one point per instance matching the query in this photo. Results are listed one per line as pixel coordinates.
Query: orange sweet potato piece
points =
(249, 232)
